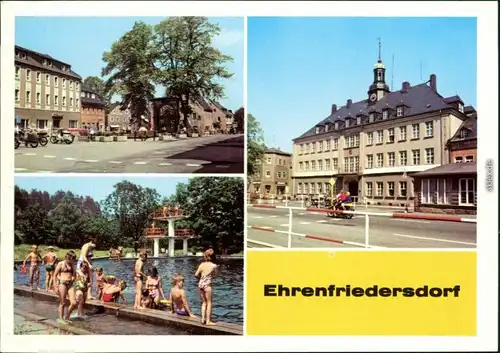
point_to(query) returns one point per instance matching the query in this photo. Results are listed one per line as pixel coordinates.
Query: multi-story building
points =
(47, 91)
(372, 147)
(273, 178)
(118, 118)
(463, 145)
(93, 109)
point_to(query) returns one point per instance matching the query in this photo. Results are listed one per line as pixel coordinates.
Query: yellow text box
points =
(329, 311)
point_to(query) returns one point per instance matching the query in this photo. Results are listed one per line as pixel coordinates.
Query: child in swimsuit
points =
(177, 297)
(207, 271)
(35, 260)
(50, 259)
(78, 292)
(65, 275)
(139, 278)
(112, 292)
(85, 257)
(154, 287)
(100, 280)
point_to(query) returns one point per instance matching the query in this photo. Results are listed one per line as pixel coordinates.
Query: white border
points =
(487, 248)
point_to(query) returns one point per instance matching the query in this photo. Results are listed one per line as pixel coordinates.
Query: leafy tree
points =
(97, 84)
(68, 224)
(255, 145)
(188, 65)
(33, 226)
(129, 65)
(106, 230)
(239, 119)
(131, 206)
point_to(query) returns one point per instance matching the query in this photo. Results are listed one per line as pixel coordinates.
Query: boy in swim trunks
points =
(35, 260)
(50, 259)
(86, 256)
(139, 278)
(179, 304)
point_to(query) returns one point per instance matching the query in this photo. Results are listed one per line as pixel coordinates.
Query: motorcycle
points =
(67, 138)
(42, 138)
(17, 143)
(29, 139)
(347, 207)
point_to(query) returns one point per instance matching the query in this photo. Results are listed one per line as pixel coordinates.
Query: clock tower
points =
(378, 89)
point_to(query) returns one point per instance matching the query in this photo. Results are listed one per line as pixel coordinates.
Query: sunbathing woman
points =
(207, 271)
(139, 278)
(153, 285)
(65, 275)
(35, 260)
(111, 292)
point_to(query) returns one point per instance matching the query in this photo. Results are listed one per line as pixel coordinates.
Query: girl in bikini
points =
(207, 271)
(65, 274)
(111, 292)
(153, 285)
(78, 292)
(35, 260)
(139, 278)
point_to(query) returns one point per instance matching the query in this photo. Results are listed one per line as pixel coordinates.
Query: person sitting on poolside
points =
(154, 286)
(179, 304)
(111, 292)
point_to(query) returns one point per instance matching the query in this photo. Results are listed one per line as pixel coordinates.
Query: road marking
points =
(409, 220)
(158, 152)
(49, 156)
(142, 163)
(70, 159)
(221, 166)
(115, 162)
(322, 221)
(20, 169)
(258, 217)
(304, 223)
(193, 165)
(301, 214)
(91, 160)
(165, 164)
(44, 171)
(434, 239)
(284, 225)
(30, 154)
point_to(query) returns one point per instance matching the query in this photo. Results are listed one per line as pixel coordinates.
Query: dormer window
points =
(23, 55)
(464, 133)
(82, 94)
(336, 126)
(317, 127)
(346, 122)
(50, 63)
(399, 111)
(63, 68)
(17, 54)
(358, 120)
(460, 107)
(326, 128)
(371, 117)
(385, 114)
(44, 62)
(93, 97)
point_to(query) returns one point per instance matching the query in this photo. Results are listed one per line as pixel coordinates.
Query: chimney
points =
(406, 86)
(334, 108)
(433, 83)
(349, 103)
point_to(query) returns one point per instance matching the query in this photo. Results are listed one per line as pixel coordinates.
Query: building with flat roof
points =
(47, 91)
(273, 178)
(374, 145)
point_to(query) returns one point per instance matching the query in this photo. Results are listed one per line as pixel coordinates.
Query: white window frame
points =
(459, 159)
(335, 144)
(380, 136)
(268, 173)
(390, 132)
(469, 159)
(401, 183)
(403, 158)
(380, 161)
(393, 155)
(467, 203)
(347, 122)
(369, 189)
(369, 138)
(327, 145)
(313, 166)
(429, 152)
(369, 161)
(399, 111)
(335, 163)
(269, 160)
(328, 164)
(413, 155)
(28, 75)
(47, 99)
(38, 77)
(380, 191)
(415, 131)
(429, 128)
(301, 166)
(402, 133)
(385, 114)
(389, 184)
(28, 96)
(320, 165)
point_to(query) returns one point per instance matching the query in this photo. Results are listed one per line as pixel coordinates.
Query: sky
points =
(298, 67)
(98, 187)
(81, 42)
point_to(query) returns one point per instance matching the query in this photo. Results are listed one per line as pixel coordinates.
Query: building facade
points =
(93, 112)
(462, 146)
(373, 146)
(273, 178)
(118, 118)
(47, 91)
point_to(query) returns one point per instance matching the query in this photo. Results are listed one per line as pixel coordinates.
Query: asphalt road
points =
(384, 231)
(208, 154)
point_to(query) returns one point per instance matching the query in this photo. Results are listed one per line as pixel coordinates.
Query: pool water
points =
(227, 287)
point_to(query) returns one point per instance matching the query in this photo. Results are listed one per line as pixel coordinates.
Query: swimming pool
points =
(228, 286)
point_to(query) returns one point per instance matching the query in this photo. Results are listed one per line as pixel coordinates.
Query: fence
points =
(366, 215)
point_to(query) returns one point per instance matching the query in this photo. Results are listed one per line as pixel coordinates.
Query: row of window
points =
(47, 99)
(377, 137)
(439, 191)
(466, 159)
(42, 124)
(313, 188)
(280, 161)
(280, 175)
(351, 164)
(47, 79)
(390, 191)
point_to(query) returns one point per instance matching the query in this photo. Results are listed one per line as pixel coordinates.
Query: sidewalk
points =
(26, 323)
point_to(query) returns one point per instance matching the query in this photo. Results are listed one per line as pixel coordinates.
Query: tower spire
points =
(379, 50)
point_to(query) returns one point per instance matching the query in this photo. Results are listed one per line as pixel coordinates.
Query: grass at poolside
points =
(21, 251)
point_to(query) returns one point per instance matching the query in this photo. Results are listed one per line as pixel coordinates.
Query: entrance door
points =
(353, 188)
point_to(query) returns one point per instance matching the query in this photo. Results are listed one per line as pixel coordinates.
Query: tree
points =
(131, 206)
(32, 225)
(239, 119)
(68, 223)
(215, 206)
(129, 65)
(188, 64)
(255, 145)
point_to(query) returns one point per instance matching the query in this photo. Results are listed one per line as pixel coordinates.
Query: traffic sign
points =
(18, 120)
(332, 181)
